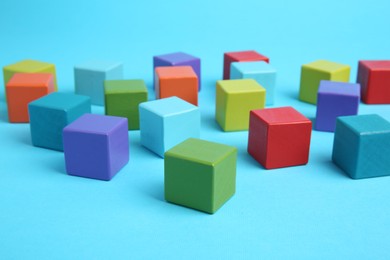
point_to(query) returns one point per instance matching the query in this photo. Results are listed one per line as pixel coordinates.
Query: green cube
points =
(313, 73)
(199, 174)
(122, 98)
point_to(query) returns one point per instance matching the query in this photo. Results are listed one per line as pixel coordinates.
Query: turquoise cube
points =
(51, 113)
(90, 76)
(260, 71)
(167, 122)
(361, 146)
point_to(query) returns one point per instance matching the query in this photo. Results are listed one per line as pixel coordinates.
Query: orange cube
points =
(23, 88)
(179, 81)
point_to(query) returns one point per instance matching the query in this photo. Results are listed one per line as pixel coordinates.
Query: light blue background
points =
(305, 212)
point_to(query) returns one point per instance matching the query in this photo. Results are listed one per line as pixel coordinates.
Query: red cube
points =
(374, 78)
(240, 56)
(279, 137)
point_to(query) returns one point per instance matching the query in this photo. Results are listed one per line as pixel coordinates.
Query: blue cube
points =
(361, 146)
(167, 122)
(51, 113)
(90, 76)
(260, 71)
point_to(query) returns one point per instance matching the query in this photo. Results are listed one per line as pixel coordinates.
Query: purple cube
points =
(96, 146)
(177, 59)
(335, 99)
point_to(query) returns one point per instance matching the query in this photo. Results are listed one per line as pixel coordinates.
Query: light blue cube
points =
(90, 77)
(167, 122)
(260, 71)
(51, 113)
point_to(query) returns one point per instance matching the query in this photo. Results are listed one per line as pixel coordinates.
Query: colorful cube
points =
(279, 137)
(122, 98)
(96, 146)
(51, 113)
(361, 146)
(374, 78)
(166, 122)
(234, 100)
(23, 88)
(178, 59)
(260, 71)
(90, 77)
(240, 56)
(200, 174)
(29, 66)
(313, 73)
(179, 81)
(335, 99)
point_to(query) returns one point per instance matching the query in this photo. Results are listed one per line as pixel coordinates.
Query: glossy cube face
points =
(279, 137)
(96, 146)
(199, 174)
(234, 100)
(335, 99)
(90, 77)
(374, 78)
(51, 113)
(361, 146)
(179, 81)
(240, 56)
(122, 98)
(166, 122)
(313, 73)
(23, 88)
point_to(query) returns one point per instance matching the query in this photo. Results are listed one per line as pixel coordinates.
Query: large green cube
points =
(313, 73)
(122, 98)
(200, 174)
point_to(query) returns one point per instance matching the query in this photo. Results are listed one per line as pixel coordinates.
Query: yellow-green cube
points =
(234, 100)
(312, 73)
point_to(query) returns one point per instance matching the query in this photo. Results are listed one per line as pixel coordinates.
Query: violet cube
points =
(177, 59)
(335, 99)
(96, 146)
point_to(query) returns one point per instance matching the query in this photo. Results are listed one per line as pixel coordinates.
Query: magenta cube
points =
(335, 99)
(96, 146)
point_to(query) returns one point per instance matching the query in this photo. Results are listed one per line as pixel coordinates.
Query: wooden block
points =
(313, 73)
(240, 56)
(23, 88)
(279, 137)
(361, 146)
(234, 100)
(180, 81)
(199, 174)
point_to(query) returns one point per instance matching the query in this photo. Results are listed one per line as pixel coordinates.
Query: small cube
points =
(96, 146)
(240, 56)
(179, 81)
(374, 78)
(279, 137)
(90, 77)
(51, 113)
(122, 98)
(260, 71)
(29, 66)
(166, 122)
(200, 174)
(23, 88)
(234, 100)
(313, 73)
(178, 59)
(361, 146)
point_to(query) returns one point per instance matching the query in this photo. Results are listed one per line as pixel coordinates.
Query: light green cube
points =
(200, 174)
(122, 98)
(313, 73)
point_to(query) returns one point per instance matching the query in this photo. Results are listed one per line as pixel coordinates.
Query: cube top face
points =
(240, 86)
(366, 124)
(326, 66)
(246, 56)
(168, 106)
(30, 80)
(280, 115)
(200, 151)
(99, 66)
(339, 88)
(124, 86)
(28, 66)
(254, 67)
(381, 65)
(60, 101)
(176, 57)
(175, 72)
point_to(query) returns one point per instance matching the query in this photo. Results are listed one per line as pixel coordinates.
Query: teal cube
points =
(51, 113)
(362, 146)
(200, 174)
